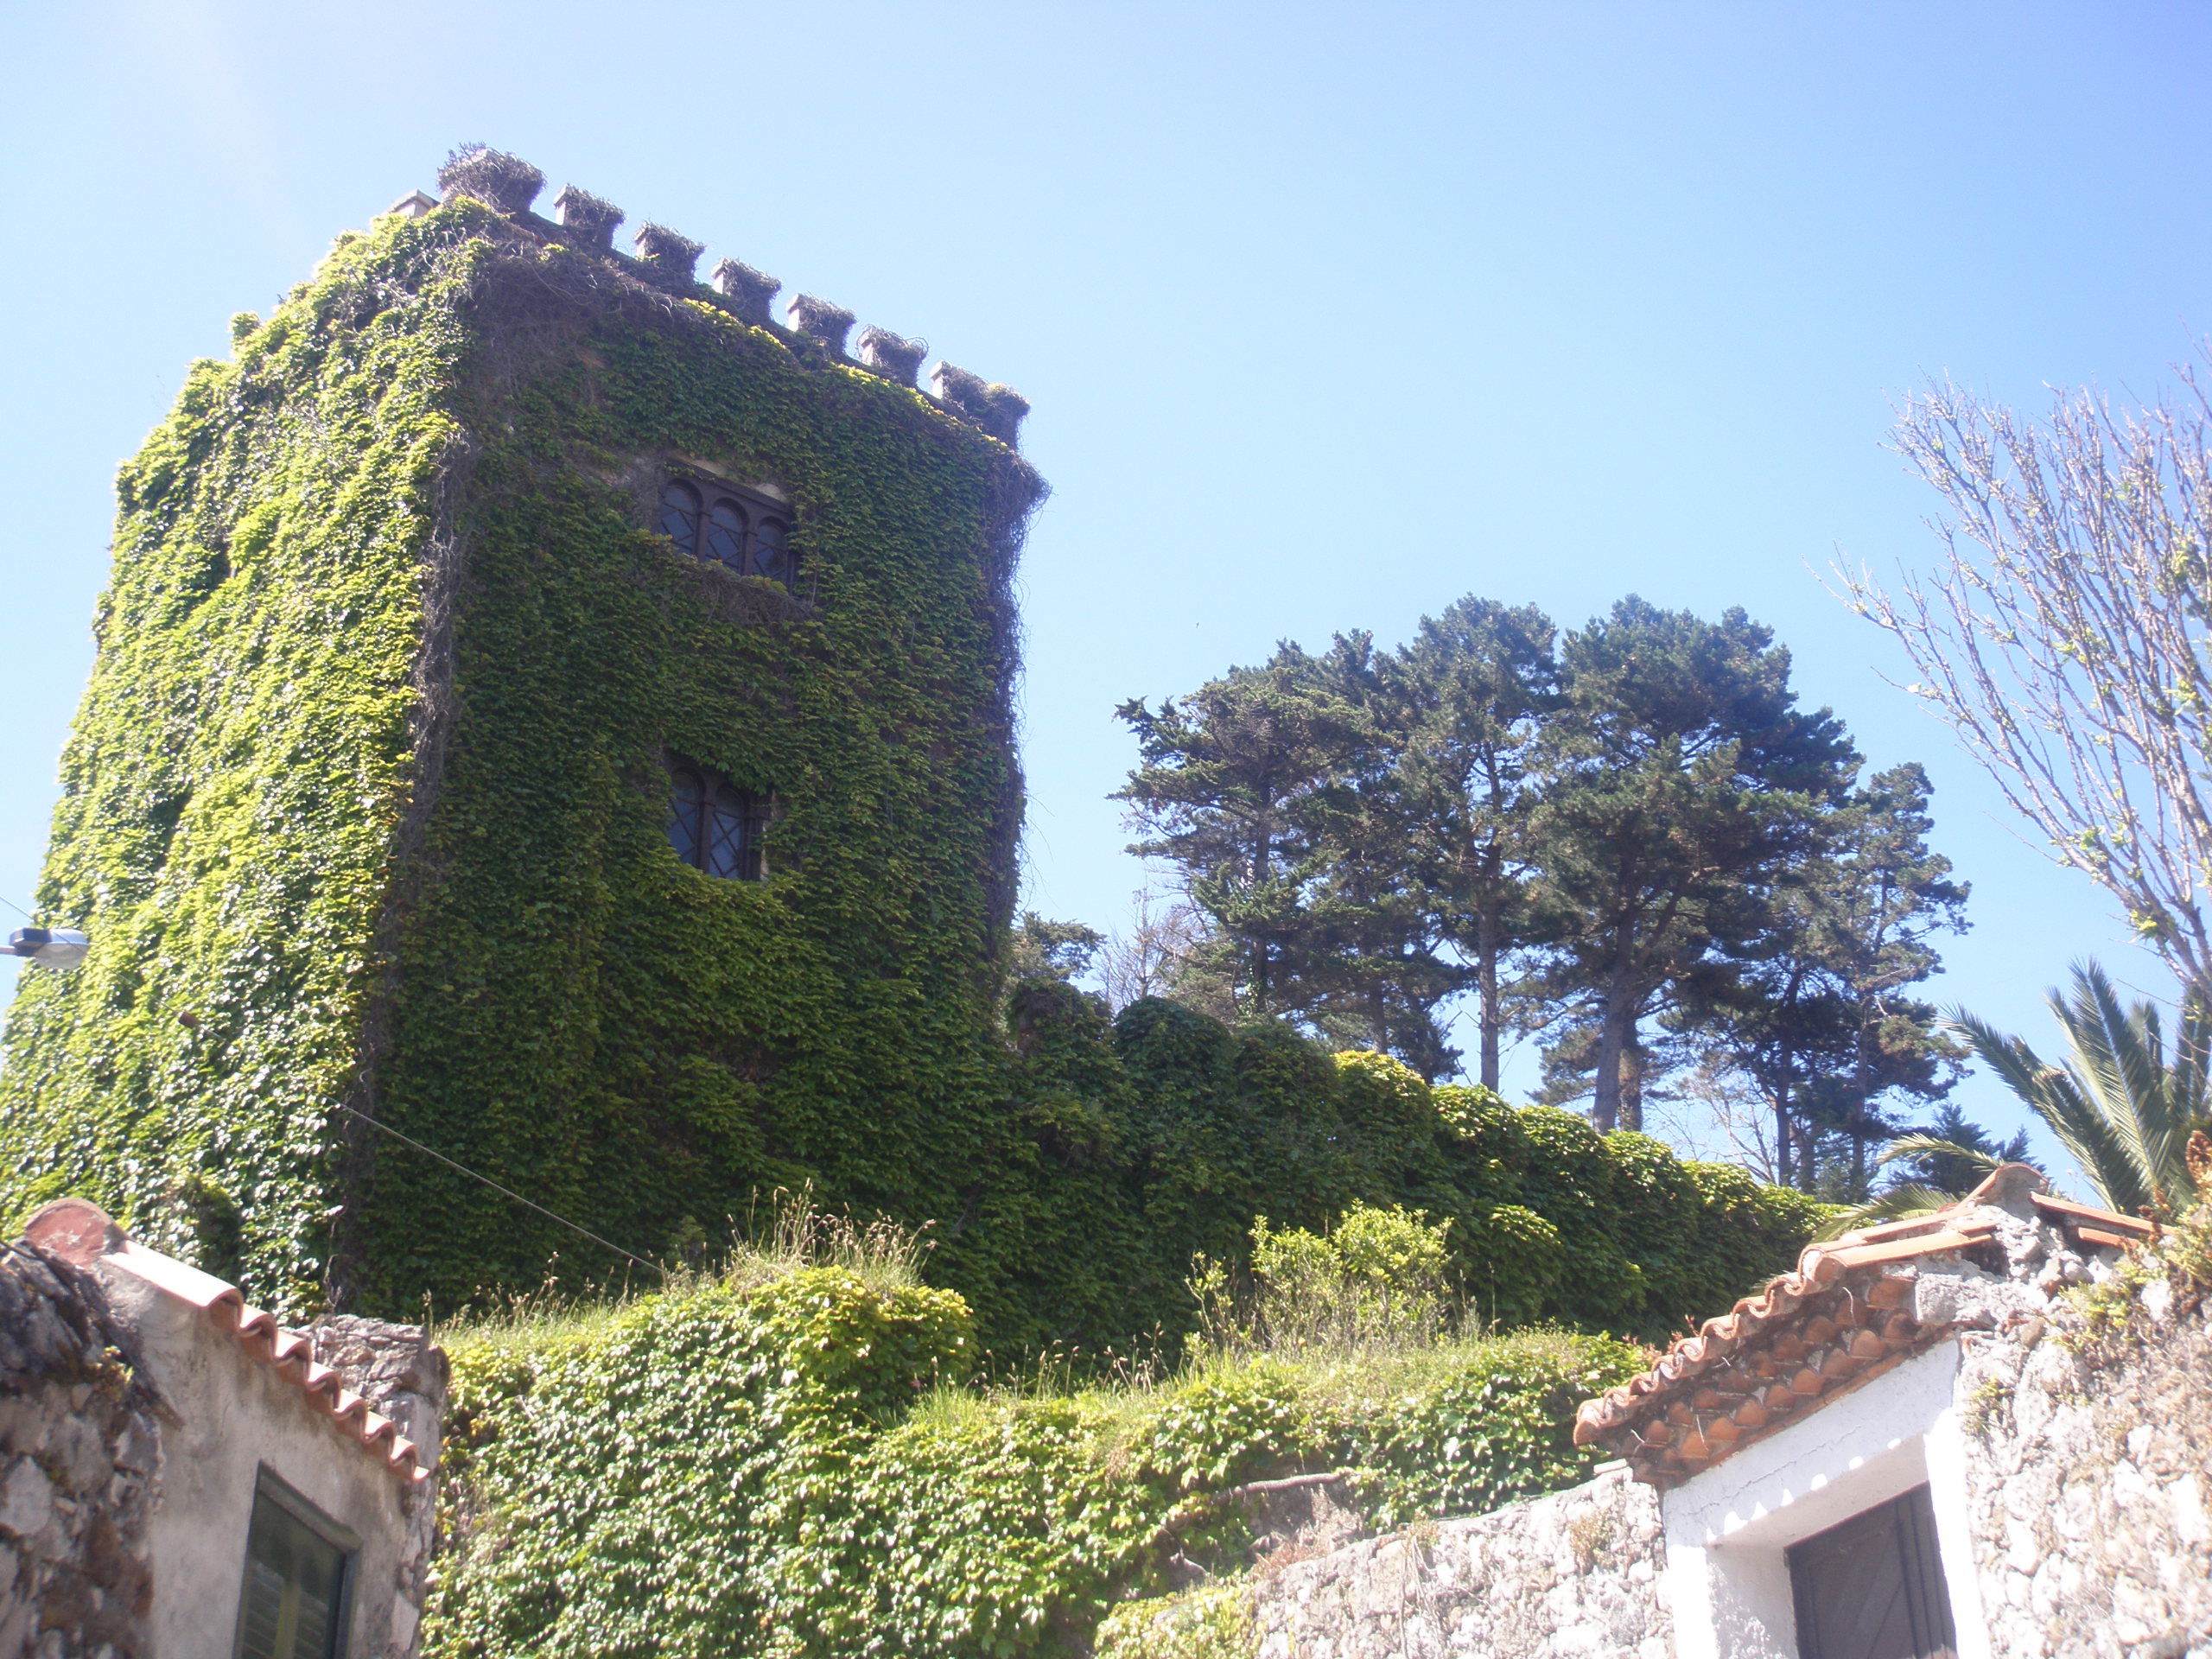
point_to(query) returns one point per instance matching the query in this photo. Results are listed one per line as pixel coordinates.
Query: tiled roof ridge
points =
(1842, 1316)
(81, 1233)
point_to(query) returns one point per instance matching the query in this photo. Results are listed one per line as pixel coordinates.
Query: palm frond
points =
(1900, 1203)
(2125, 1052)
(2061, 1101)
(1929, 1145)
(2120, 1104)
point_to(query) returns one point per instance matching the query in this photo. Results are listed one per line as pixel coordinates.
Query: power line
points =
(508, 1191)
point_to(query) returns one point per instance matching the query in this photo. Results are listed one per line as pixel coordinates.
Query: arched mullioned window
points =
(716, 827)
(726, 529)
(745, 535)
(772, 550)
(679, 516)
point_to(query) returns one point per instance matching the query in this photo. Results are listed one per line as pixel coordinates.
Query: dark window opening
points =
(1873, 1588)
(743, 533)
(772, 550)
(679, 516)
(726, 535)
(716, 827)
(298, 1567)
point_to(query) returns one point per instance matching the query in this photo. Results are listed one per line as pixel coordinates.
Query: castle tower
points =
(549, 709)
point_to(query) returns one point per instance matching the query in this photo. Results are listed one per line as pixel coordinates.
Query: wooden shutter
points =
(292, 1605)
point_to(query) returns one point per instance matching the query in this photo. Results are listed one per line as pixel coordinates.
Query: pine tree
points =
(1468, 696)
(1685, 783)
(1228, 791)
(1813, 1012)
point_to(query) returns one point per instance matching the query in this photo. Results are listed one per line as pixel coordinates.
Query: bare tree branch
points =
(2065, 637)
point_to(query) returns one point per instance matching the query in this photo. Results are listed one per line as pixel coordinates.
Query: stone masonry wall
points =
(2089, 1470)
(399, 1371)
(1575, 1573)
(80, 1436)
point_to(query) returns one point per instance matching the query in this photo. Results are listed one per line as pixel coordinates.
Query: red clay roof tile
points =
(80, 1233)
(1841, 1318)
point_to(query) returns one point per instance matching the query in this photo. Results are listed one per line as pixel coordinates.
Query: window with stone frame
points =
(716, 828)
(744, 531)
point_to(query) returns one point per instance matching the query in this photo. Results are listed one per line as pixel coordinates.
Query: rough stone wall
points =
(79, 1440)
(82, 1433)
(398, 1370)
(2090, 1475)
(1576, 1572)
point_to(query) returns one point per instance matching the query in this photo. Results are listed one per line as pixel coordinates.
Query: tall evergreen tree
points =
(1815, 1013)
(1684, 781)
(1229, 791)
(1369, 965)
(1466, 700)
(1274, 792)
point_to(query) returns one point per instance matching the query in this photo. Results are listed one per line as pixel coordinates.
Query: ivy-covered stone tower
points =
(549, 708)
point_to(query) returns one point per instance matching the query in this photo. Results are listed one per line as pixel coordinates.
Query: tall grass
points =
(791, 1234)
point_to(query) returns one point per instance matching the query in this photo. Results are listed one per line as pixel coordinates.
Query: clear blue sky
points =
(1330, 314)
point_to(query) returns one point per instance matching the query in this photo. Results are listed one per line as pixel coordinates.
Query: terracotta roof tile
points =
(1844, 1316)
(81, 1233)
(2066, 1210)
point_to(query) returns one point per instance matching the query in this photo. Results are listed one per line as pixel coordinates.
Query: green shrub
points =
(777, 1464)
(1498, 1428)
(1213, 1622)
(1514, 1266)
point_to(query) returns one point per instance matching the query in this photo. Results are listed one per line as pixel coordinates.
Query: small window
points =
(748, 535)
(772, 550)
(1873, 1588)
(299, 1567)
(726, 535)
(716, 827)
(679, 516)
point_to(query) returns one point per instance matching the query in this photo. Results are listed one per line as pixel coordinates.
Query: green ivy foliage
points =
(1213, 1622)
(364, 803)
(1198, 1131)
(238, 772)
(365, 808)
(783, 1469)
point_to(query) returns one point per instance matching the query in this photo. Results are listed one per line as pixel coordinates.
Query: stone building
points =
(554, 708)
(181, 1476)
(1912, 1446)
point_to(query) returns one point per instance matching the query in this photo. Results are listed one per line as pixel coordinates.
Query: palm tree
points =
(2119, 1103)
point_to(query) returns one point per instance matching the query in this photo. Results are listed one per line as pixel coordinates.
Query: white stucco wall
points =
(234, 1416)
(1727, 1577)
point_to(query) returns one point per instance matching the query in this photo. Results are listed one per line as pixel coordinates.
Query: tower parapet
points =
(668, 260)
(747, 290)
(493, 177)
(589, 220)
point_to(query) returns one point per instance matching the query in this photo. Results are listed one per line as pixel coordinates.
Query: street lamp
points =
(52, 947)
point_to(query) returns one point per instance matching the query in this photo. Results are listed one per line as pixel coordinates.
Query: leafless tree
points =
(1155, 954)
(2065, 637)
(1714, 1113)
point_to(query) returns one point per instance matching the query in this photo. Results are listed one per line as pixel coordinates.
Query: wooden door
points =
(1873, 1588)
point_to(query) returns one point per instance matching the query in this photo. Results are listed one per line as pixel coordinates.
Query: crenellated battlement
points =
(668, 260)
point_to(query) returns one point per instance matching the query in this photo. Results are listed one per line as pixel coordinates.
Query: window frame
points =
(753, 505)
(272, 1488)
(757, 810)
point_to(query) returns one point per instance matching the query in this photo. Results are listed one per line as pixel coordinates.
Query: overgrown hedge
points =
(780, 1470)
(1164, 1136)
